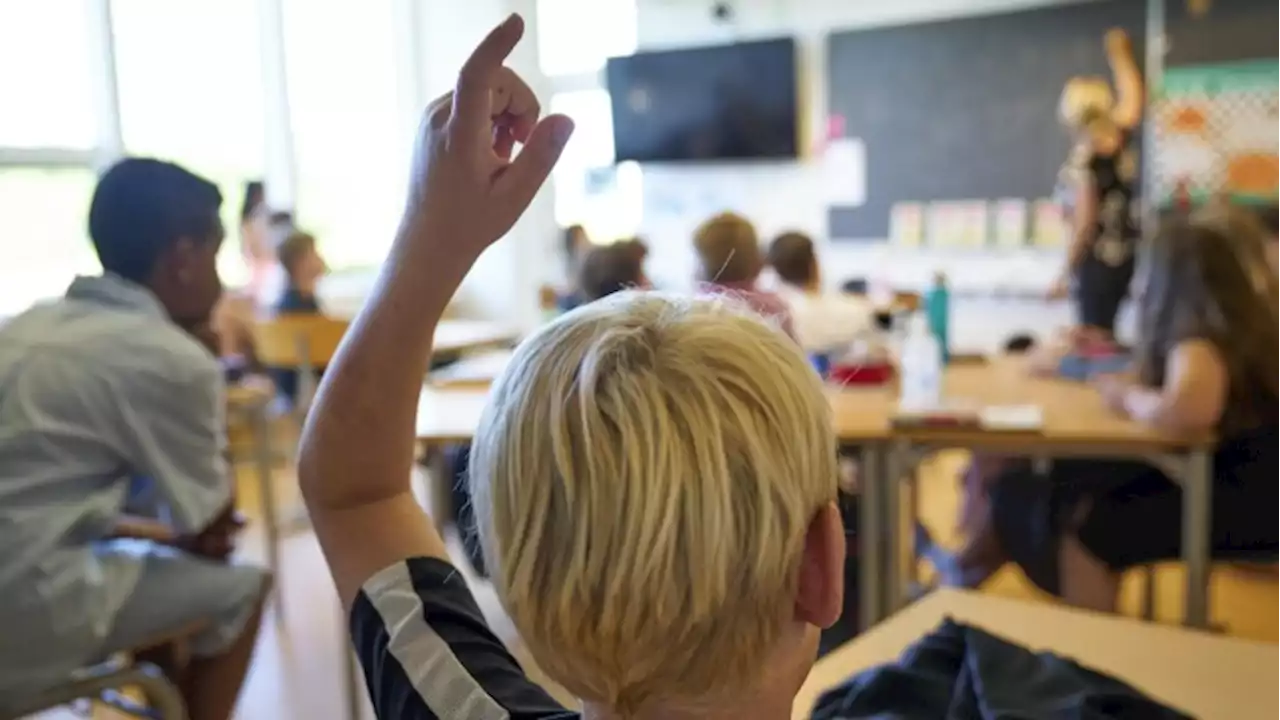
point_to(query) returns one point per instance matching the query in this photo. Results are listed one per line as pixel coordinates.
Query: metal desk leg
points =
(1197, 505)
(895, 460)
(870, 536)
(263, 461)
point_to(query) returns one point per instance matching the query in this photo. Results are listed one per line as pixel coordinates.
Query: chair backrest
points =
(907, 301)
(297, 341)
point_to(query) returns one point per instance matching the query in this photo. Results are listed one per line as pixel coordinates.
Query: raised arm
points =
(357, 448)
(1130, 91)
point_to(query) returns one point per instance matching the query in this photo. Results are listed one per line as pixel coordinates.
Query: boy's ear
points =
(820, 591)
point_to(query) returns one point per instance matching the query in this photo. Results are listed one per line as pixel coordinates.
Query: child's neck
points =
(303, 287)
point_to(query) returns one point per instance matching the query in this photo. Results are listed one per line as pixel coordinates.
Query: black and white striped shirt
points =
(428, 654)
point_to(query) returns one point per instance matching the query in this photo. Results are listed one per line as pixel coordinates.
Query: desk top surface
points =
(463, 335)
(1073, 412)
(1205, 675)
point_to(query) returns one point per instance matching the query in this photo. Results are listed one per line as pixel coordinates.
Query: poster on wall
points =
(1049, 225)
(844, 163)
(906, 225)
(1215, 131)
(1009, 223)
(972, 224)
(942, 225)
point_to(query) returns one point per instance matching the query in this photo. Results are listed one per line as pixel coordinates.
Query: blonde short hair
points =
(644, 478)
(1084, 101)
(728, 249)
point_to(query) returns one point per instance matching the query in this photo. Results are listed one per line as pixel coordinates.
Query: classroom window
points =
(563, 47)
(46, 75)
(189, 81)
(350, 149)
(43, 227)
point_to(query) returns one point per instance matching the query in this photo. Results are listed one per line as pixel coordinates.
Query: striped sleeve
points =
(428, 654)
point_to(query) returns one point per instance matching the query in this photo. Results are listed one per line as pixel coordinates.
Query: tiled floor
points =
(297, 674)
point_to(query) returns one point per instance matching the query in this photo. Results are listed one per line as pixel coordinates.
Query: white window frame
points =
(280, 171)
(577, 82)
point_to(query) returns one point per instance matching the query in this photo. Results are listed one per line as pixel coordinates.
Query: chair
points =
(1149, 591)
(106, 682)
(905, 301)
(304, 343)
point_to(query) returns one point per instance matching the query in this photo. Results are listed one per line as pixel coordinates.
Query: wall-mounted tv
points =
(729, 102)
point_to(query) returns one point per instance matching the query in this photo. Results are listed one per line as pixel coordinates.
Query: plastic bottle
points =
(921, 365)
(937, 303)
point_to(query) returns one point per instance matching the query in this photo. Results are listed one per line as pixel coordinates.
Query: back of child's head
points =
(1019, 344)
(296, 247)
(608, 269)
(636, 246)
(792, 257)
(1206, 277)
(1086, 103)
(728, 250)
(644, 479)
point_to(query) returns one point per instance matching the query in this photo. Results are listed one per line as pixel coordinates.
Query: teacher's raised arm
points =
(1131, 96)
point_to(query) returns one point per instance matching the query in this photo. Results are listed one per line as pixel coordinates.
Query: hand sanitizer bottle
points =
(937, 304)
(921, 365)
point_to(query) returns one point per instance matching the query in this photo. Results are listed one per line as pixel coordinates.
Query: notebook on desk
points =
(991, 418)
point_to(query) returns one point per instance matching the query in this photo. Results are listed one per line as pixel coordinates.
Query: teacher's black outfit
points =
(1103, 276)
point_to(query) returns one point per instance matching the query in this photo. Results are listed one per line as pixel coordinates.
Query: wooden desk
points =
(861, 416)
(449, 415)
(473, 371)
(449, 408)
(1205, 675)
(1076, 423)
(1073, 411)
(458, 336)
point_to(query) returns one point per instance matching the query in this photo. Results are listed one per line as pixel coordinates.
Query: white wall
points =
(434, 42)
(792, 195)
(504, 283)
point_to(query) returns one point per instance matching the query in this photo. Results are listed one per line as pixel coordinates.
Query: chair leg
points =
(1149, 593)
(163, 700)
(162, 696)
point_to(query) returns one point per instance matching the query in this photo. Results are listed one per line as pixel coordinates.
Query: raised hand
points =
(464, 185)
(1117, 43)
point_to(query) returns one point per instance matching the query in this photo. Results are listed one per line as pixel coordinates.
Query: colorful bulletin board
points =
(1216, 131)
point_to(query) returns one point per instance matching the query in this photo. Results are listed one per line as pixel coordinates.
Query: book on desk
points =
(991, 418)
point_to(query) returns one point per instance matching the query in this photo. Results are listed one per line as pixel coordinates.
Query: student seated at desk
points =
(654, 479)
(823, 321)
(1205, 361)
(303, 267)
(106, 396)
(608, 269)
(575, 244)
(729, 264)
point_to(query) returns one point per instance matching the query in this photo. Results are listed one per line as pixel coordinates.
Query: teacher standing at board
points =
(1104, 200)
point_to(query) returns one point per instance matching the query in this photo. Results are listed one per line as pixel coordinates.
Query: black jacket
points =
(959, 672)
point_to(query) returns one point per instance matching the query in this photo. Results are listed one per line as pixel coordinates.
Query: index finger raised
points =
(471, 99)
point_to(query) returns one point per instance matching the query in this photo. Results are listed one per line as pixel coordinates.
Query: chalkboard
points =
(1229, 30)
(966, 108)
